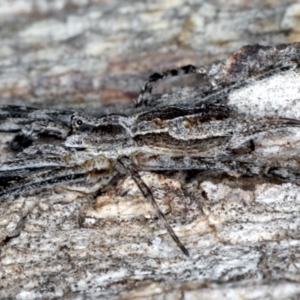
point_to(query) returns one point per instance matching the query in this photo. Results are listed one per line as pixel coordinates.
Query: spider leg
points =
(146, 90)
(29, 164)
(98, 170)
(39, 180)
(224, 164)
(132, 171)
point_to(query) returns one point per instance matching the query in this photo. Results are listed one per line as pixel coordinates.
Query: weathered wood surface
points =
(68, 51)
(243, 234)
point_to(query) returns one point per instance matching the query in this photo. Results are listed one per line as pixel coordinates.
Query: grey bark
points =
(243, 234)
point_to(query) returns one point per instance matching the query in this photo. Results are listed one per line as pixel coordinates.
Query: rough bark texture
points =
(243, 234)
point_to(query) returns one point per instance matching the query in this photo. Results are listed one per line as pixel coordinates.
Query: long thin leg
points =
(130, 168)
(41, 180)
(222, 164)
(146, 90)
(24, 180)
(29, 164)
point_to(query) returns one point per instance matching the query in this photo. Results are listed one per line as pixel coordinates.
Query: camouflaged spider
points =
(50, 148)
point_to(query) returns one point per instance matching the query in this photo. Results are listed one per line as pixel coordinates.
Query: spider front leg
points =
(146, 91)
(86, 175)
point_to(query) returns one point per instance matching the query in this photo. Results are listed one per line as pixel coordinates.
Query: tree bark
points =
(242, 233)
